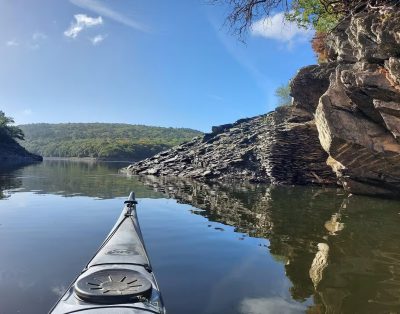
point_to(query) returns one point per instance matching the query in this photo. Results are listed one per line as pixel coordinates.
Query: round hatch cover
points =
(111, 286)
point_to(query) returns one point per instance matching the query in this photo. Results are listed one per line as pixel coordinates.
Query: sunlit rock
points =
(334, 225)
(319, 263)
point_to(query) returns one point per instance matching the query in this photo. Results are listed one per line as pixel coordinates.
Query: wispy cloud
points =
(277, 28)
(12, 43)
(36, 40)
(105, 11)
(38, 36)
(81, 22)
(96, 40)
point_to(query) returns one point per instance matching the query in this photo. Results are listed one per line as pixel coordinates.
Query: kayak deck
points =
(119, 278)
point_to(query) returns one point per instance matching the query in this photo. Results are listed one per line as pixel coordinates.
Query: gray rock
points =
(358, 117)
(344, 122)
(266, 148)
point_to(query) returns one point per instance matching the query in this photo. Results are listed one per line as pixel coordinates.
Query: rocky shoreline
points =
(343, 125)
(255, 149)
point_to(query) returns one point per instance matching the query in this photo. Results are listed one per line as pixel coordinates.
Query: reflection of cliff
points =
(298, 216)
(363, 275)
(79, 178)
(291, 218)
(343, 252)
(244, 207)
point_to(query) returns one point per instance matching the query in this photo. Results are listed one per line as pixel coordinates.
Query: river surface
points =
(215, 249)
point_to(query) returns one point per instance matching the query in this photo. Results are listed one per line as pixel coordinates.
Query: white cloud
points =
(274, 305)
(82, 21)
(103, 10)
(97, 39)
(27, 112)
(277, 28)
(12, 43)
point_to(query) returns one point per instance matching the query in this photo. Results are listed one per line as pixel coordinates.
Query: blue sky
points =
(164, 63)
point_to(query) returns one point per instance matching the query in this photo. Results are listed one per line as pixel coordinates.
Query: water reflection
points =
(74, 178)
(270, 305)
(342, 251)
(338, 254)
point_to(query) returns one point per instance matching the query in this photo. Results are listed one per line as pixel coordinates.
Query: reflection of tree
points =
(80, 178)
(348, 245)
(8, 180)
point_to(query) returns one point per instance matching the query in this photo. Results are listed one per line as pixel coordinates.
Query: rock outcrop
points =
(11, 153)
(358, 117)
(344, 120)
(281, 147)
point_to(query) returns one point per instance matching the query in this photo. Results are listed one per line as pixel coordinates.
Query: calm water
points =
(215, 248)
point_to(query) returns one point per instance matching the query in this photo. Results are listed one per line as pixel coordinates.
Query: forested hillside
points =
(102, 140)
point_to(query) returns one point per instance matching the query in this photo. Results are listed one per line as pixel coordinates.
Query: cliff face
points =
(281, 147)
(344, 123)
(11, 153)
(358, 115)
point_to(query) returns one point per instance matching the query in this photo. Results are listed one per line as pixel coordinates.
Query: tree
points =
(319, 47)
(8, 131)
(283, 95)
(322, 15)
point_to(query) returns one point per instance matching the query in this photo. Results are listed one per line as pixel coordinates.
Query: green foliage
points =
(102, 140)
(283, 95)
(322, 15)
(306, 13)
(9, 132)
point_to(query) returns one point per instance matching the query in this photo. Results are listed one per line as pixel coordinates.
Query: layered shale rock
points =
(358, 117)
(344, 120)
(272, 148)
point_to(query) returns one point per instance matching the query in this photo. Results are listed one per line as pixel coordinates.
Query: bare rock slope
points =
(280, 147)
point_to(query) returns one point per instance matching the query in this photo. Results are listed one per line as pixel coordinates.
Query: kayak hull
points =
(119, 278)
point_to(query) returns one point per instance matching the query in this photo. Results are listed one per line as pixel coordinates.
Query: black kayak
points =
(119, 278)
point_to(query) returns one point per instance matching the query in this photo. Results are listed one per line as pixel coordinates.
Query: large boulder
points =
(307, 87)
(358, 115)
(364, 155)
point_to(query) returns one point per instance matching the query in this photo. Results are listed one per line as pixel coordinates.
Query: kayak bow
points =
(119, 277)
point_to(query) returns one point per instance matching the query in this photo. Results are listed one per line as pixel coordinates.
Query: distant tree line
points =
(102, 140)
